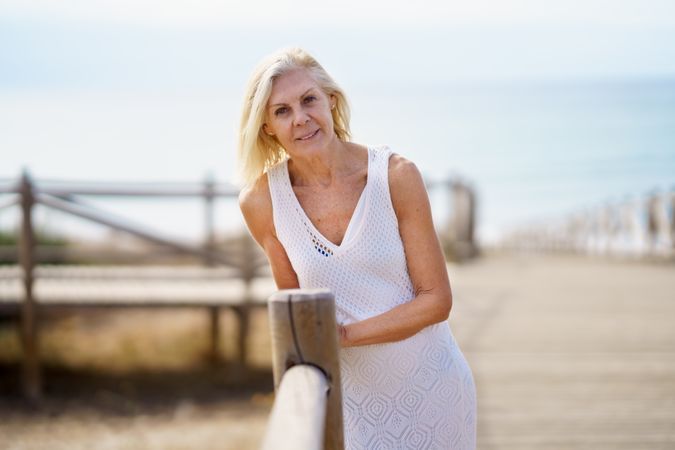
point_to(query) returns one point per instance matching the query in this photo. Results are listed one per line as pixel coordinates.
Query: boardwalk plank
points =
(569, 353)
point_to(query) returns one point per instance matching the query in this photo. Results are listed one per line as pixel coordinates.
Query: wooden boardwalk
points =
(569, 353)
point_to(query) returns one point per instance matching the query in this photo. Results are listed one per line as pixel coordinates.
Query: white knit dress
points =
(417, 393)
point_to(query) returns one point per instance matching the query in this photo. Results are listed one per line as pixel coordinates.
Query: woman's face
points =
(299, 113)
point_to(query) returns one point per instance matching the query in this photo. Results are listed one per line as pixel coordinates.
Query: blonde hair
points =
(257, 151)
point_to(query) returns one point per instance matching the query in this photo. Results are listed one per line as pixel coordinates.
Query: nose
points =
(301, 117)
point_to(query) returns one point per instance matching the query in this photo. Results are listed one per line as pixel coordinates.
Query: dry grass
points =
(137, 379)
(130, 340)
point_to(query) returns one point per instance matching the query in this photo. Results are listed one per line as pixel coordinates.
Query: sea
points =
(532, 151)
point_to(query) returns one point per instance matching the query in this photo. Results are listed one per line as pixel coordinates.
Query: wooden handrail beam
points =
(77, 209)
(298, 417)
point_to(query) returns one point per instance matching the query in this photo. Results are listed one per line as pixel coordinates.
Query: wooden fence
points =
(242, 257)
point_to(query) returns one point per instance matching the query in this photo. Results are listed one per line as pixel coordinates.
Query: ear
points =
(267, 130)
(333, 101)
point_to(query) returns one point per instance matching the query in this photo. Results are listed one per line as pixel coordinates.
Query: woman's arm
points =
(255, 203)
(426, 265)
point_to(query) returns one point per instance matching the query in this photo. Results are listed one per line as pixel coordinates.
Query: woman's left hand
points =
(342, 335)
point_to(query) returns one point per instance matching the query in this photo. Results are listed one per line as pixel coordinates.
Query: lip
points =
(308, 136)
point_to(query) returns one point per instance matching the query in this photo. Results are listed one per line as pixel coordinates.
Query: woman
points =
(330, 213)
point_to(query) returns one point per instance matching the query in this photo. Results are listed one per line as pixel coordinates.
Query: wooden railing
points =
(640, 227)
(307, 412)
(241, 256)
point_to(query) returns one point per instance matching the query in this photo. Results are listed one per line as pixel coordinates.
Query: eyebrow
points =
(283, 104)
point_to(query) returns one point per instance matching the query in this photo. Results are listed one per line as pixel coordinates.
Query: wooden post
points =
(209, 196)
(671, 199)
(242, 312)
(471, 226)
(463, 220)
(32, 384)
(247, 267)
(210, 246)
(303, 330)
(653, 224)
(214, 333)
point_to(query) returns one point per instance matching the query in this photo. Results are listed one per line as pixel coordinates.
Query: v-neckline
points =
(352, 228)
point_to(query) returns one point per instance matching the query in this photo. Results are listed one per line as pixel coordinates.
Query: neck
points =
(324, 167)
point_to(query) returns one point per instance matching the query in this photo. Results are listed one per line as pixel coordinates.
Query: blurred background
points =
(551, 123)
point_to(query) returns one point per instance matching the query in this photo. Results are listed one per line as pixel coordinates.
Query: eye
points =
(309, 99)
(280, 111)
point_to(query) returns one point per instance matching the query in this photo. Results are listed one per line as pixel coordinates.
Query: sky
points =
(198, 13)
(153, 44)
(86, 86)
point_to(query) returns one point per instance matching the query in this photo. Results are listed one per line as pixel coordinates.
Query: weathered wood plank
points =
(298, 417)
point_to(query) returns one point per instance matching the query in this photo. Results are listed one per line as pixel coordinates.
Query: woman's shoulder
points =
(255, 194)
(255, 203)
(406, 185)
(398, 165)
(402, 171)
